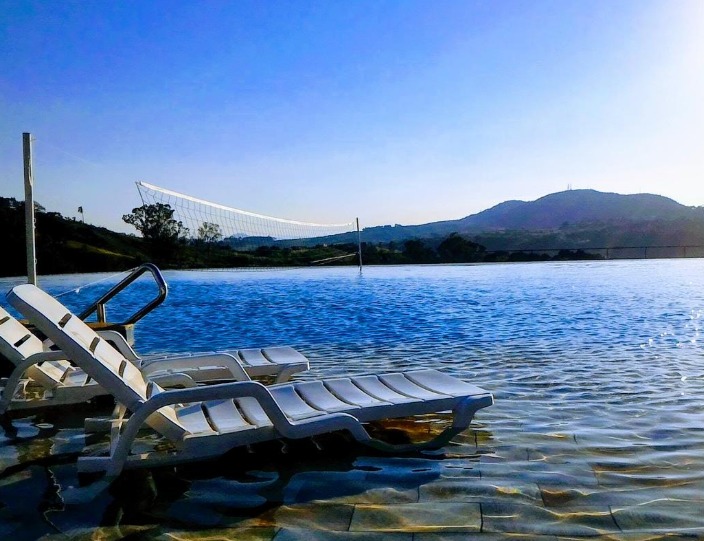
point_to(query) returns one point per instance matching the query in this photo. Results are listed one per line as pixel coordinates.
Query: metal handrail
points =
(99, 306)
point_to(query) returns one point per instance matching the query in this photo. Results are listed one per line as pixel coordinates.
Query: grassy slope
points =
(65, 245)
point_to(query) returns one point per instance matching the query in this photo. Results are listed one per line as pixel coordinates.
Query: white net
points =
(242, 230)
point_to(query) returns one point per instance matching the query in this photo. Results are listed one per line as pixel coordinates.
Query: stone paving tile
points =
(691, 491)
(504, 455)
(565, 498)
(225, 534)
(403, 477)
(661, 516)
(477, 491)
(287, 534)
(378, 496)
(350, 487)
(467, 474)
(216, 502)
(461, 467)
(500, 516)
(106, 534)
(563, 454)
(569, 474)
(602, 444)
(650, 477)
(624, 536)
(226, 494)
(398, 465)
(454, 536)
(326, 517)
(312, 485)
(417, 517)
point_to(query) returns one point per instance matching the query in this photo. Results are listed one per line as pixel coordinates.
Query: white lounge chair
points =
(42, 377)
(279, 362)
(207, 421)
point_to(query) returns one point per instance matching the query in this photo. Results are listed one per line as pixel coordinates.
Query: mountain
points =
(573, 209)
(605, 224)
(576, 207)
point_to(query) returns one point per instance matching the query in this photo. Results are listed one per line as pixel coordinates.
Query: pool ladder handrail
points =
(99, 306)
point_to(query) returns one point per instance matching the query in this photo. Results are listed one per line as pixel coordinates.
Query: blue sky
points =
(397, 112)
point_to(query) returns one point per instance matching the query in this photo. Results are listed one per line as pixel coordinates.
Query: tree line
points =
(456, 248)
(66, 245)
(158, 226)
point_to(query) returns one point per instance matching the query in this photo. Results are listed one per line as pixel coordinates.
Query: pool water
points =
(597, 369)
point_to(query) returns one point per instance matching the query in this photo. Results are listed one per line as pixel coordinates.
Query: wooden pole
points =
(29, 210)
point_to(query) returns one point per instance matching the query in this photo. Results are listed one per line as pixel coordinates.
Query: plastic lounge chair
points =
(207, 421)
(54, 379)
(42, 377)
(280, 362)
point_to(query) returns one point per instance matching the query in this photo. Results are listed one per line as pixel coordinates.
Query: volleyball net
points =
(205, 222)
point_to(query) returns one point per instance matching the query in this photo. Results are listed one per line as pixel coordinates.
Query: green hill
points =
(574, 219)
(564, 225)
(69, 246)
(64, 245)
(579, 207)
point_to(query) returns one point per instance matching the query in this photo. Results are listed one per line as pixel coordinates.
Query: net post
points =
(30, 233)
(359, 244)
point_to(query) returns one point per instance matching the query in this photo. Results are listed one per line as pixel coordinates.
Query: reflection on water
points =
(597, 431)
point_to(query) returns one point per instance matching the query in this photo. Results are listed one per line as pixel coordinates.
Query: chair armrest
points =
(194, 362)
(118, 341)
(173, 379)
(13, 380)
(285, 427)
(243, 389)
(44, 356)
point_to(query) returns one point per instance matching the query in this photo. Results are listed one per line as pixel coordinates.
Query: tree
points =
(12, 203)
(209, 232)
(156, 223)
(457, 249)
(416, 251)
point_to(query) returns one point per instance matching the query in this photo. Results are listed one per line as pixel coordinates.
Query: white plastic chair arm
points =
(120, 344)
(195, 362)
(13, 381)
(284, 426)
(45, 356)
(173, 379)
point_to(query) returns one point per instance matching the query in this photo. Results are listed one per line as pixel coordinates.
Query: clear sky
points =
(398, 111)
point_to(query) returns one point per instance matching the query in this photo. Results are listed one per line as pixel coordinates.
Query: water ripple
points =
(597, 370)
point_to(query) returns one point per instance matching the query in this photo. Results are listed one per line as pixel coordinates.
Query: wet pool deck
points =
(553, 486)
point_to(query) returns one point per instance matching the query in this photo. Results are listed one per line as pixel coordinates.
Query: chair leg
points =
(463, 414)
(86, 494)
(286, 374)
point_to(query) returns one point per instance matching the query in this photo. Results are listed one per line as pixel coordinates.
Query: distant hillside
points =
(576, 224)
(570, 219)
(64, 245)
(578, 207)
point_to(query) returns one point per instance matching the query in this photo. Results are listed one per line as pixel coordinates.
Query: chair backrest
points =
(17, 343)
(93, 354)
